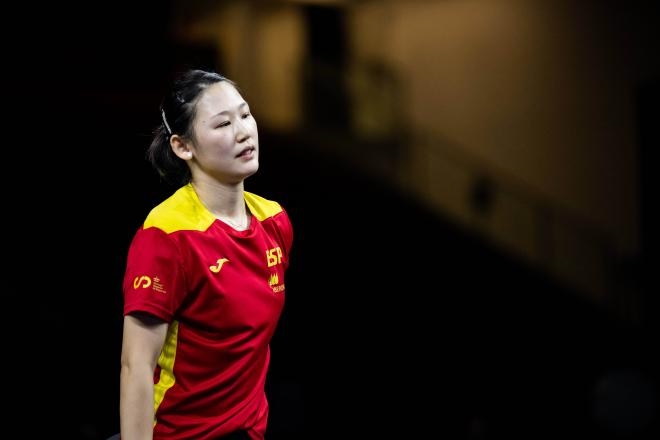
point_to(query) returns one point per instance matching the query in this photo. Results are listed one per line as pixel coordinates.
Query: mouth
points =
(247, 151)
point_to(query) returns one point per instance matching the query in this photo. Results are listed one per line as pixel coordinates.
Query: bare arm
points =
(144, 336)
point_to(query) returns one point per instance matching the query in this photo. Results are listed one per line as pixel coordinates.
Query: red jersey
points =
(222, 292)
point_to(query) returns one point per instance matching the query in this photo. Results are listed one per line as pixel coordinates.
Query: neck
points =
(223, 200)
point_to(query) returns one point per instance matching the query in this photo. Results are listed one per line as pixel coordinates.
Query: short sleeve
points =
(154, 281)
(286, 233)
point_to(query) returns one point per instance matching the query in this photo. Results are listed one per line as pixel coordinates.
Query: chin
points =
(252, 169)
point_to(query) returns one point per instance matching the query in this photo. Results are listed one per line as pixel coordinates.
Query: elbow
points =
(137, 364)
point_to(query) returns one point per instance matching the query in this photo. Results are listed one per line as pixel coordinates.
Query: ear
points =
(181, 147)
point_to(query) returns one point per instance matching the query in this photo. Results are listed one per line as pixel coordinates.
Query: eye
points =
(223, 124)
(245, 115)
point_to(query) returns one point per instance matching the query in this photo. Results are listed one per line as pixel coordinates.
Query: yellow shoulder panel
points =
(260, 207)
(182, 211)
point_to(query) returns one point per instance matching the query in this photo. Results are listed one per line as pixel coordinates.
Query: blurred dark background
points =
(470, 183)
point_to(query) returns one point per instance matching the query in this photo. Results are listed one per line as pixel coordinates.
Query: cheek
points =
(218, 140)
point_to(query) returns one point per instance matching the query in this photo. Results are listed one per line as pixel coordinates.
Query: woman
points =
(204, 283)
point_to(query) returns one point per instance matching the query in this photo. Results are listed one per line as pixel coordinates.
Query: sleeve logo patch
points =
(143, 281)
(146, 282)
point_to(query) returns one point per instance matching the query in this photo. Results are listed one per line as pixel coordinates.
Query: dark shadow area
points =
(400, 322)
(648, 129)
(326, 60)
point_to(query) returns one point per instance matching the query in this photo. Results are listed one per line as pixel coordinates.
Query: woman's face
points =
(226, 143)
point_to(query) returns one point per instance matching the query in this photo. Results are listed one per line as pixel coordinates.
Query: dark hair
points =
(177, 113)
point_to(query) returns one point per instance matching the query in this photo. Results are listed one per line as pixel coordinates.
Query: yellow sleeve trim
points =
(260, 207)
(183, 211)
(166, 363)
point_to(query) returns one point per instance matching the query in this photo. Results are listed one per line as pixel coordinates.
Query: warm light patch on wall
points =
(279, 48)
(260, 47)
(320, 2)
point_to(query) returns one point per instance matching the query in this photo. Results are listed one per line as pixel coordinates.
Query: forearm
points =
(136, 407)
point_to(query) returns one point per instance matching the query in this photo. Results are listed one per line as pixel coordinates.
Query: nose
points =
(242, 132)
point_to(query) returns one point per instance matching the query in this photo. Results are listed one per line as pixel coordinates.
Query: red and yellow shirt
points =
(222, 292)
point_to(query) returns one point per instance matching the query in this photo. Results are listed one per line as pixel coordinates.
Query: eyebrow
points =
(225, 112)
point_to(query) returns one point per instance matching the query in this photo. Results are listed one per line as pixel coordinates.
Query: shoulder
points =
(262, 208)
(271, 215)
(182, 211)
